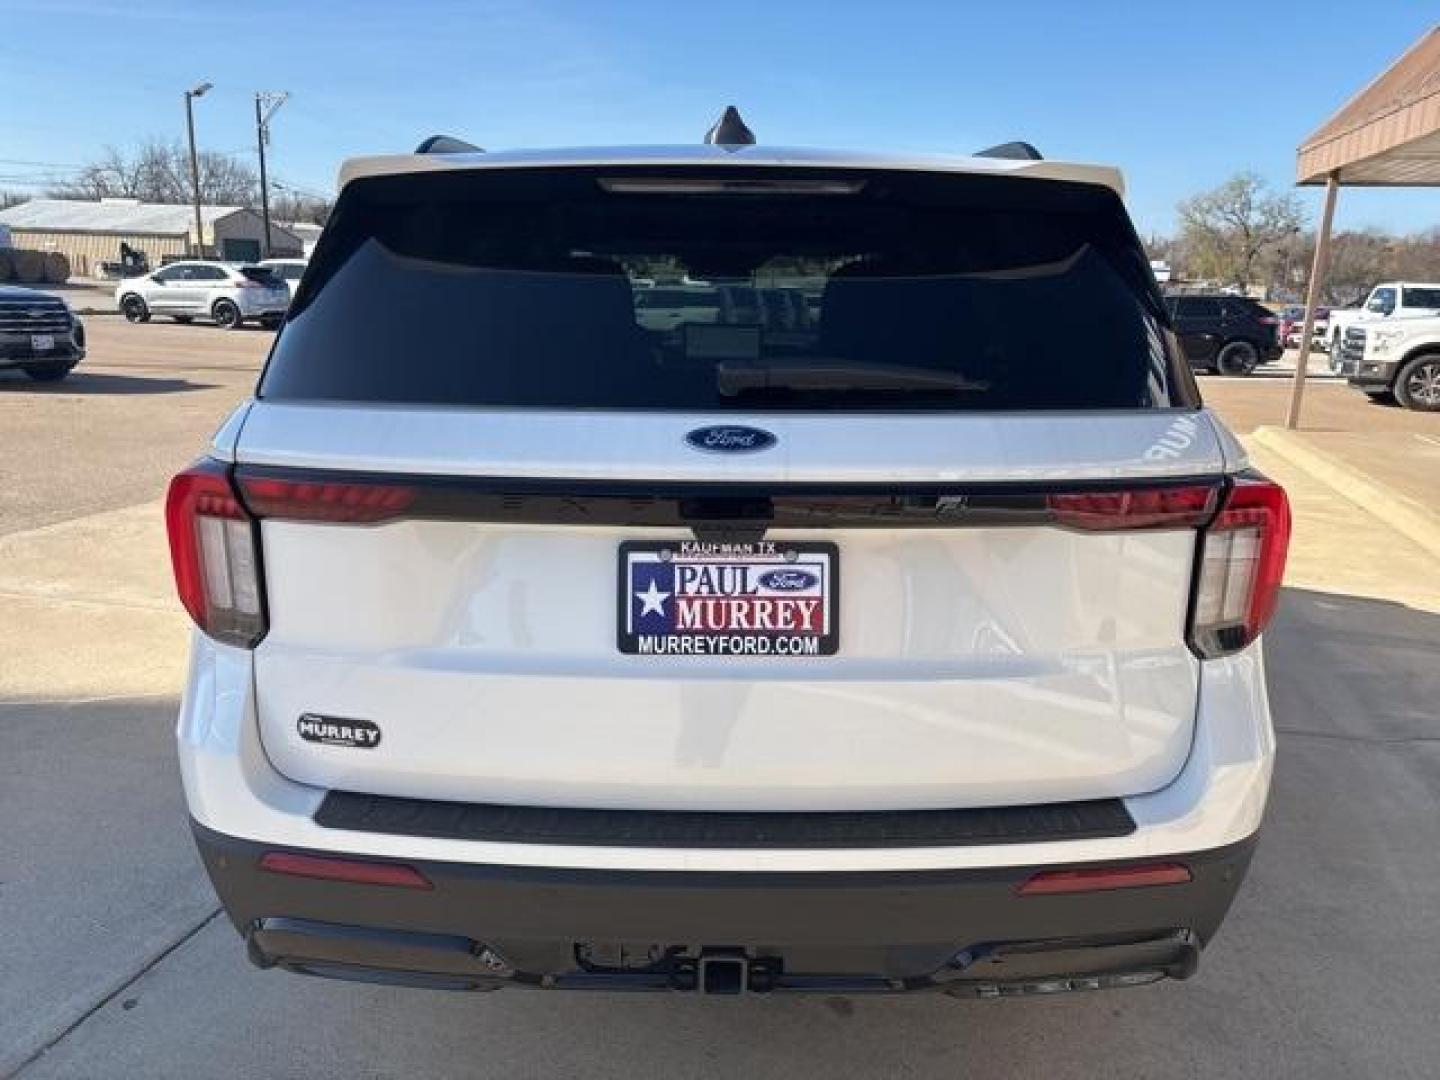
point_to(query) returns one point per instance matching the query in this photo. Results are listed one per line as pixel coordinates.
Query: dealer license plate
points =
(42, 342)
(691, 598)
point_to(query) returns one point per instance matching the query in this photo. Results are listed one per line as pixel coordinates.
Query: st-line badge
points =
(697, 598)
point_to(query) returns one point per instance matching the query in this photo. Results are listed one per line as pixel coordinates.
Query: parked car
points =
(1399, 359)
(1292, 323)
(39, 334)
(227, 294)
(287, 270)
(1232, 335)
(1388, 300)
(918, 652)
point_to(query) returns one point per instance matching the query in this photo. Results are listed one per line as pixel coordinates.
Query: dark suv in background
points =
(39, 334)
(1229, 334)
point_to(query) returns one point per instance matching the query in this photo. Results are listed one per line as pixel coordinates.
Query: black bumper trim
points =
(482, 926)
(1089, 820)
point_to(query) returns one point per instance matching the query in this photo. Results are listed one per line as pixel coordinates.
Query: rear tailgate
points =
(977, 664)
(519, 365)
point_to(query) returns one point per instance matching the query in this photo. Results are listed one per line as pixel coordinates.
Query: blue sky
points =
(1180, 94)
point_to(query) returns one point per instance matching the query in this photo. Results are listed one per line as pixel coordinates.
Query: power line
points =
(41, 164)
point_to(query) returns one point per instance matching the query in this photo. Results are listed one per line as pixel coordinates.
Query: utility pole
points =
(267, 104)
(190, 96)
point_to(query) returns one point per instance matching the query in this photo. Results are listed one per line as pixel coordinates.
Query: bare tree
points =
(159, 171)
(1417, 257)
(1229, 232)
(1357, 261)
(287, 204)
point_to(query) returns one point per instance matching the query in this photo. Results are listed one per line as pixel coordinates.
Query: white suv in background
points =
(916, 647)
(228, 294)
(289, 271)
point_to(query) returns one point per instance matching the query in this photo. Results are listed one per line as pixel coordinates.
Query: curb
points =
(1402, 513)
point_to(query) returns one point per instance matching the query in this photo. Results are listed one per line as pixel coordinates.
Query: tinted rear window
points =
(1422, 298)
(261, 275)
(815, 289)
(1198, 307)
(1247, 309)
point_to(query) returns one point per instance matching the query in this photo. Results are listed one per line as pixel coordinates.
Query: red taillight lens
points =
(1141, 508)
(354, 871)
(342, 503)
(215, 552)
(1241, 565)
(1104, 878)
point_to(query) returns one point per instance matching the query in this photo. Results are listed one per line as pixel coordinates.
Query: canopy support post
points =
(1312, 297)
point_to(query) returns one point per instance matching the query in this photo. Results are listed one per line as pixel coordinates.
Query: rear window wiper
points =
(735, 379)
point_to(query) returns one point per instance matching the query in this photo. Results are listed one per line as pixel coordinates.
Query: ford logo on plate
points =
(788, 580)
(730, 439)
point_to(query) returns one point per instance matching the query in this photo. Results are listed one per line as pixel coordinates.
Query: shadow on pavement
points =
(88, 383)
(1323, 969)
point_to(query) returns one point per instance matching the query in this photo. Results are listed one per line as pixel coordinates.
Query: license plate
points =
(691, 598)
(42, 342)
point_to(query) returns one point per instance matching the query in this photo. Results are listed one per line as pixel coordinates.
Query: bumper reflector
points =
(354, 871)
(1101, 879)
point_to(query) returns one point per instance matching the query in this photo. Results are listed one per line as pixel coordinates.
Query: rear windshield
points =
(735, 289)
(261, 275)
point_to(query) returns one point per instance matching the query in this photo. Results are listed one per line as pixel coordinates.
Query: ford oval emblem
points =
(730, 439)
(788, 580)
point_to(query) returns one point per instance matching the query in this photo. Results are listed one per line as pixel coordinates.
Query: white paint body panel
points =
(1217, 799)
(977, 666)
(829, 448)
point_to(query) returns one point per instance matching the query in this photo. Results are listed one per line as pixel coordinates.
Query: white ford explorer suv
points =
(915, 647)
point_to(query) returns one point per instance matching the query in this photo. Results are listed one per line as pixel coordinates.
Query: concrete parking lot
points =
(115, 962)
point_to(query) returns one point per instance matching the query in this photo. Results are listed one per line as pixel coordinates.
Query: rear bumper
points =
(481, 927)
(233, 788)
(253, 309)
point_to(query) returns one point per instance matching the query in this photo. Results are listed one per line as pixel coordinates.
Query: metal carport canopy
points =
(1387, 135)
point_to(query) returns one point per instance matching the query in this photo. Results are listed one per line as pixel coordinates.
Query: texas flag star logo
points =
(652, 599)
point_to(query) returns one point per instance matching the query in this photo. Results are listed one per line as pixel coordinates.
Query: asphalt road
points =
(114, 962)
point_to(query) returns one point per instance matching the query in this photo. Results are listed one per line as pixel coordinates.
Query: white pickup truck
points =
(1388, 300)
(1401, 357)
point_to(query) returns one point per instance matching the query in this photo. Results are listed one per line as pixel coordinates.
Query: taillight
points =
(215, 551)
(340, 502)
(1240, 564)
(1141, 508)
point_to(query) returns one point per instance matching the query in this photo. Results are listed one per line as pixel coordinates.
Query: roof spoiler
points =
(447, 144)
(1015, 151)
